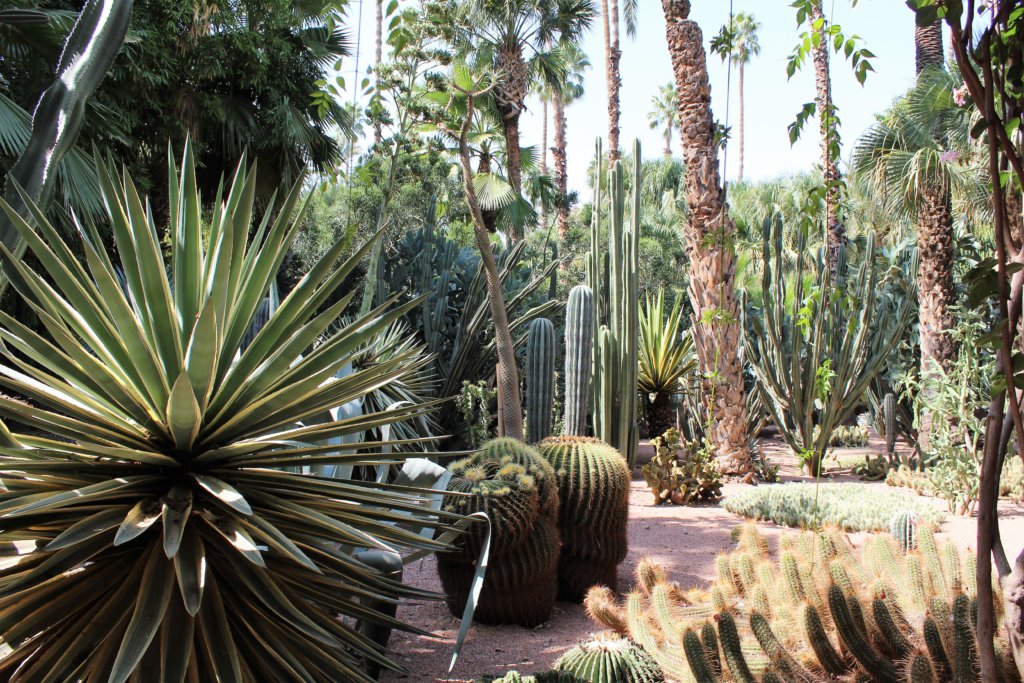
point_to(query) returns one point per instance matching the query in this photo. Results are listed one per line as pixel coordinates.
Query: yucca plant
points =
(150, 529)
(665, 358)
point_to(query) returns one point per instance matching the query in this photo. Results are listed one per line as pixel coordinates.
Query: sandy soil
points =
(685, 540)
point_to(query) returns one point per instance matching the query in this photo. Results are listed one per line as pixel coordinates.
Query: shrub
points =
(852, 507)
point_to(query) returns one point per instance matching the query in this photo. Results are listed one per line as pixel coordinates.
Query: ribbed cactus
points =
(835, 614)
(516, 488)
(904, 529)
(610, 659)
(889, 422)
(549, 677)
(615, 287)
(579, 343)
(540, 379)
(593, 493)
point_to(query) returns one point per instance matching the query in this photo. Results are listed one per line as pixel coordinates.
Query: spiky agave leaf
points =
(149, 527)
(665, 354)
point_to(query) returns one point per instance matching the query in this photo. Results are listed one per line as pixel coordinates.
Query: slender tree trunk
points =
(935, 289)
(830, 169)
(561, 173)
(510, 95)
(668, 141)
(613, 80)
(378, 135)
(544, 162)
(507, 374)
(742, 138)
(716, 328)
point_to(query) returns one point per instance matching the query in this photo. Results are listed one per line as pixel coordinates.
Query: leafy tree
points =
(664, 113)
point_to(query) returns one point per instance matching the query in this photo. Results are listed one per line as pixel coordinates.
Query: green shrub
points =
(852, 507)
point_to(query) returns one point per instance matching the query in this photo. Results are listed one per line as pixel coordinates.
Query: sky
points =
(772, 100)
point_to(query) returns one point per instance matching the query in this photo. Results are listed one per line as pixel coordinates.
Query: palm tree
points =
(743, 46)
(612, 55)
(716, 328)
(566, 92)
(511, 38)
(378, 55)
(664, 113)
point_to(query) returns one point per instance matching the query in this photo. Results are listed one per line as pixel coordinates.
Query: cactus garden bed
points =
(852, 507)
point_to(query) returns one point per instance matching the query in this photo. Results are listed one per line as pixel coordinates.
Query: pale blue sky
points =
(772, 101)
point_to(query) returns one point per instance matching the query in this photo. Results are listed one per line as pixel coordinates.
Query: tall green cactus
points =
(540, 379)
(88, 52)
(579, 342)
(889, 422)
(815, 350)
(614, 283)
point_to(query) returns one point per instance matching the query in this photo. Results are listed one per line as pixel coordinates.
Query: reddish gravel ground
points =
(685, 540)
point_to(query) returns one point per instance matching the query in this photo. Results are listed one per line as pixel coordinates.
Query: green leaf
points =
(190, 570)
(223, 492)
(184, 416)
(154, 594)
(86, 528)
(142, 516)
(177, 506)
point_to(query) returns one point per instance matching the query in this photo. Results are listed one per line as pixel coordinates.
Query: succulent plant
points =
(540, 379)
(510, 482)
(548, 677)
(904, 529)
(579, 343)
(685, 478)
(610, 658)
(593, 492)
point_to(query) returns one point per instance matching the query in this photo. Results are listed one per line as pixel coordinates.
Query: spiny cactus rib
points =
(731, 647)
(509, 451)
(920, 670)
(697, 658)
(892, 636)
(904, 529)
(601, 607)
(775, 650)
(610, 660)
(854, 641)
(709, 639)
(829, 660)
(579, 344)
(936, 649)
(540, 379)
(964, 644)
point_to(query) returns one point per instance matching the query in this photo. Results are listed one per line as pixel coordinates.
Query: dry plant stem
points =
(511, 418)
(614, 82)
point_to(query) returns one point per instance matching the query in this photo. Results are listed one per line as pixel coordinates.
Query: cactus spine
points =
(615, 286)
(540, 379)
(579, 343)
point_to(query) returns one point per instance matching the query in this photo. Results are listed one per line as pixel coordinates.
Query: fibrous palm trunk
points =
(612, 54)
(829, 160)
(935, 243)
(544, 162)
(716, 329)
(378, 53)
(558, 153)
(741, 121)
(661, 414)
(510, 95)
(510, 422)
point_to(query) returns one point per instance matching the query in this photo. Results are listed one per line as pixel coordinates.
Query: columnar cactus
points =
(610, 659)
(593, 492)
(616, 288)
(516, 488)
(904, 529)
(540, 379)
(889, 422)
(579, 342)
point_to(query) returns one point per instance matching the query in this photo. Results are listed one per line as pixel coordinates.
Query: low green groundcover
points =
(853, 507)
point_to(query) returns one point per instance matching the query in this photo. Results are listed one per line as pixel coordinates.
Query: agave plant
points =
(666, 356)
(150, 529)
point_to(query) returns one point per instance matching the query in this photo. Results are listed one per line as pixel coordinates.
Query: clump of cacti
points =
(547, 677)
(593, 492)
(907, 477)
(904, 529)
(822, 611)
(855, 436)
(540, 379)
(516, 488)
(610, 658)
(681, 472)
(873, 469)
(853, 507)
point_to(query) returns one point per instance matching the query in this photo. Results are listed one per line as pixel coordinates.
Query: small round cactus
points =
(610, 659)
(904, 529)
(593, 492)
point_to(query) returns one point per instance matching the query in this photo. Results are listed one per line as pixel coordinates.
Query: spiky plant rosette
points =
(149, 527)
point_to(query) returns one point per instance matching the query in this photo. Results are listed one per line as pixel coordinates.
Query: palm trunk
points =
(661, 414)
(741, 121)
(830, 169)
(613, 80)
(510, 421)
(510, 94)
(668, 141)
(561, 173)
(544, 163)
(377, 133)
(716, 329)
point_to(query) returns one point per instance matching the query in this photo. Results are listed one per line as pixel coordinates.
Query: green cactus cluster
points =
(821, 611)
(517, 489)
(872, 469)
(547, 677)
(852, 507)
(854, 436)
(907, 477)
(593, 493)
(610, 658)
(903, 528)
(681, 472)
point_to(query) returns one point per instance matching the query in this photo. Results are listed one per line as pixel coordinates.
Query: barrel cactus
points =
(515, 487)
(593, 492)
(610, 659)
(904, 529)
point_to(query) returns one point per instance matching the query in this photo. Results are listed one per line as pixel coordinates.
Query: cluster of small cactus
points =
(593, 490)
(873, 469)
(855, 436)
(904, 529)
(685, 478)
(908, 478)
(517, 489)
(610, 658)
(852, 507)
(822, 611)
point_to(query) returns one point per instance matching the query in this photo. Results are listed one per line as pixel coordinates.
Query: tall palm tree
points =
(512, 39)
(612, 55)
(716, 328)
(378, 134)
(565, 93)
(744, 46)
(664, 113)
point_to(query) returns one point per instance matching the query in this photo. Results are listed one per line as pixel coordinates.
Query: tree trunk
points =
(716, 328)
(544, 163)
(378, 135)
(935, 244)
(561, 174)
(661, 414)
(507, 374)
(510, 95)
(668, 141)
(830, 169)
(742, 139)
(614, 82)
